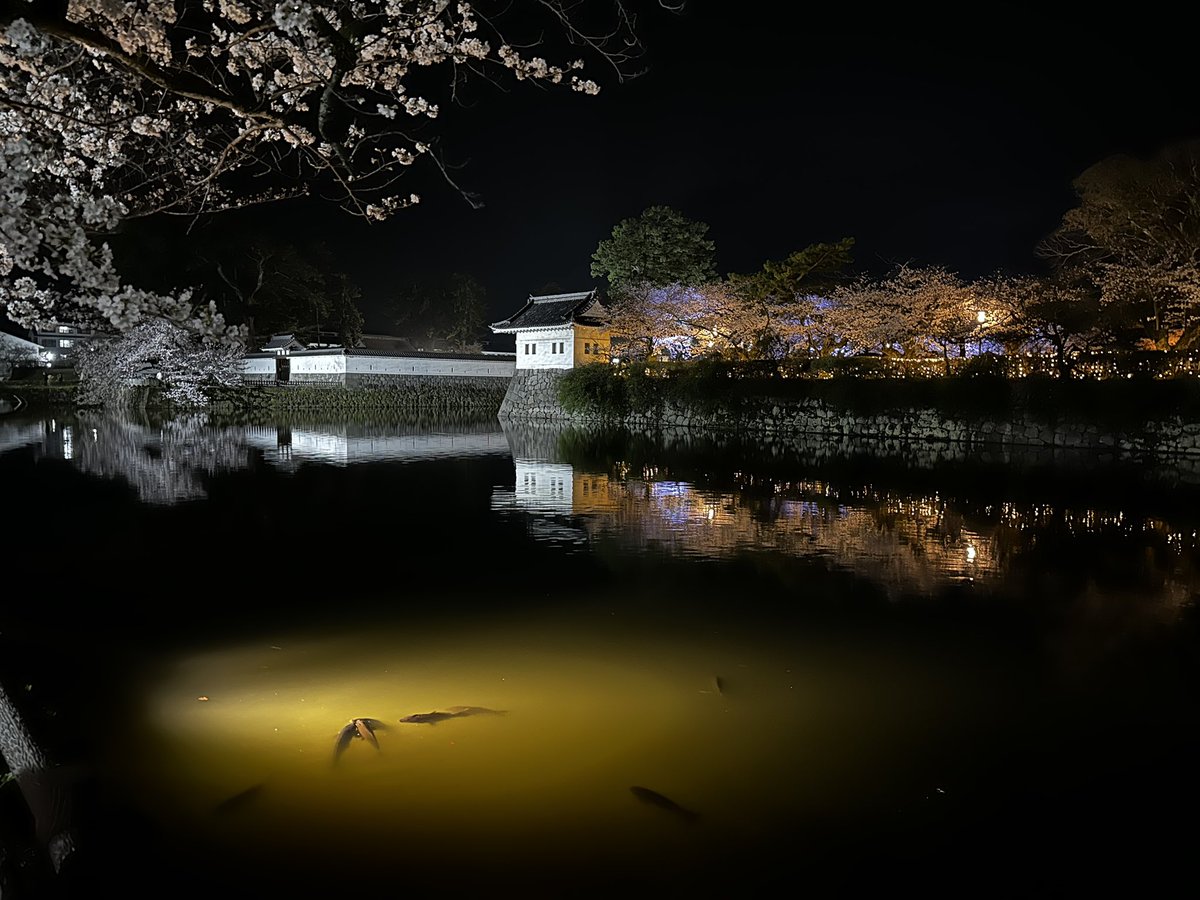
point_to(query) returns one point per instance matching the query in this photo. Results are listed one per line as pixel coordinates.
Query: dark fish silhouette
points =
(361, 728)
(451, 712)
(238, 800)
(654, 798)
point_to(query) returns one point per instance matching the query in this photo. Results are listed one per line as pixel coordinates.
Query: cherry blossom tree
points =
(186, 366)
(1136, 232)
(782, 307)
(1059, 314)
(675, 320)
(769, 314)
(112, 110)
(912, 311)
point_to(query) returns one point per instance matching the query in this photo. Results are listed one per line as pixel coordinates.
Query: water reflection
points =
(704, 619)
(173, 460)
(653, 495)
(295, 438)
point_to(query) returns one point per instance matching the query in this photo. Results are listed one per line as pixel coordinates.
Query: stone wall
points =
(535, 399)
(392, 392)
(533, 396)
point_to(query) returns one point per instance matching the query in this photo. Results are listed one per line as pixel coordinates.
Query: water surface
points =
(852, 671)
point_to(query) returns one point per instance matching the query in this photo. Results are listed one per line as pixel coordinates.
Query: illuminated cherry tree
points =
(1136, 232)
(187, 366)
(914, 311)
(111, 110)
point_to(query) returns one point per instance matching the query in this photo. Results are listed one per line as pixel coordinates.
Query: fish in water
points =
(239, 800)
(654, 798)
(451, 712)
(360, 728)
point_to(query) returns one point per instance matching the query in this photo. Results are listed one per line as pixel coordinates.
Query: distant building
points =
(282, 344)
(559, 331)
(61, 340)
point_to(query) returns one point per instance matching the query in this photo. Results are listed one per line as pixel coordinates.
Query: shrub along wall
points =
(1127, 414)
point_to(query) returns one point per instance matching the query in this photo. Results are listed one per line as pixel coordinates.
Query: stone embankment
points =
(534, 397)
(392, 392)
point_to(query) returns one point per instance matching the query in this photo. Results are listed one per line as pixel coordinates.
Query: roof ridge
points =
(553, 298)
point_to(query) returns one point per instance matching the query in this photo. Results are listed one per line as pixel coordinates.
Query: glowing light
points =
(970, 552)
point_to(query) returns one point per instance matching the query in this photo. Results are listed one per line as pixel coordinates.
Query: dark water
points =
(713, 667)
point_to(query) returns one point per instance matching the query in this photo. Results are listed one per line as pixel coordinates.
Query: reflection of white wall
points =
(12, 437)
(342, 449)
(543, 485)
(322, 445)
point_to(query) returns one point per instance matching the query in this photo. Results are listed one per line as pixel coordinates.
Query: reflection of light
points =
(970, 552)
(711, 512)
(272, 715)
(68, 449)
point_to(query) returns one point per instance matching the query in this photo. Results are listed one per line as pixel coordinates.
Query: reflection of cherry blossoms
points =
(164, 464)
(577, 491)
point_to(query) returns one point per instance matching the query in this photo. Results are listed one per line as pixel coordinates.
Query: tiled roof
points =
(282, 340)
(550, 310)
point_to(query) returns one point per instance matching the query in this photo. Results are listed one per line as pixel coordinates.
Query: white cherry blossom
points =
(111, 110)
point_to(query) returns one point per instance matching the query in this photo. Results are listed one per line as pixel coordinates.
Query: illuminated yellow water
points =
(234, 745)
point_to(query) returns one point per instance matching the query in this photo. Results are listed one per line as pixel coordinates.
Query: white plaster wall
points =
(411, 365)
(543, 358)
(261, 367)
(331, 364)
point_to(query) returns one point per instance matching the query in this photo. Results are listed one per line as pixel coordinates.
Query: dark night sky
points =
(936, 137)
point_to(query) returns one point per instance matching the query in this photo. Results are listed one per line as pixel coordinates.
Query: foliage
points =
(111, 111)
(770, 314)
(173, 360)
(597, 389)
(815, 269)
(450, 308)
(1060, 314)
(912, 311)
(782, 307)
(657, 248)
(1136, 233)
(979, 390)
(985, 365)
(272, 286)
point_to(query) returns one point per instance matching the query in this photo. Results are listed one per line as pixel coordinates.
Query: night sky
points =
(933, 137)
(930, 136)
